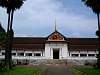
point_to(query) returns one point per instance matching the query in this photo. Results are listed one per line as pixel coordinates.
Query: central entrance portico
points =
(56, 46)
(56, 53)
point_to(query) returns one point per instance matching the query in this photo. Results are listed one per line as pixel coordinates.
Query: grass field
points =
(22, 71)
(86, 71)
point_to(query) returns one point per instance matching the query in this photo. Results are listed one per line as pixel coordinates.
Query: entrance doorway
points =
(55, 53)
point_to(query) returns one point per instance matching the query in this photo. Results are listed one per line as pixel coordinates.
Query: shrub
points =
(2, 65)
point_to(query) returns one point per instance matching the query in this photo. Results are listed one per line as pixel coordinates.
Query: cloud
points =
(37, 17)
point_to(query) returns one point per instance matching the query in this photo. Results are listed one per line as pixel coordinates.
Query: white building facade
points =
(55, 46)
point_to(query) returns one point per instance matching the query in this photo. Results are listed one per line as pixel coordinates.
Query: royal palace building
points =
(54, 46)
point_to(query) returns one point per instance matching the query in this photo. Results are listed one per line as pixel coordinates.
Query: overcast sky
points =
(37, 18)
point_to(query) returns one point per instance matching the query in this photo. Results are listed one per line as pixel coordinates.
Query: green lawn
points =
(22, 71)
(86, 71)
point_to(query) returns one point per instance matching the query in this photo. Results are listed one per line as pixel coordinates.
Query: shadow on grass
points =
(85, 70)
(22, 71)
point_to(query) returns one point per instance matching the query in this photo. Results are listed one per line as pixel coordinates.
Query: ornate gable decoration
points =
(56, 37)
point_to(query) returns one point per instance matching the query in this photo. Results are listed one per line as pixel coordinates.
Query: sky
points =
(36, 18)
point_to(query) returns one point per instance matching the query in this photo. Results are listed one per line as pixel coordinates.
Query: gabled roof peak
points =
(56, 36)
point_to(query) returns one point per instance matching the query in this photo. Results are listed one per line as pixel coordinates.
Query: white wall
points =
(63, 50)
(24, 57)
(48, 53)
(83, 52)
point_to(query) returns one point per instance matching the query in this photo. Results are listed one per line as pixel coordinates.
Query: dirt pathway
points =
(57, 70)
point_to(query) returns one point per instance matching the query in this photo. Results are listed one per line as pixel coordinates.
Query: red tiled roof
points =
(29, 46)
(29, 40)
(29, 43)
(83, 43)
(38, 43)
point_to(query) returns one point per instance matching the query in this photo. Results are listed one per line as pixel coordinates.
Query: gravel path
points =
(57, 70)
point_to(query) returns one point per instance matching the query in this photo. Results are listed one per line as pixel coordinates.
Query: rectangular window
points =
(37, 54)
(20, 54)
(3, 53)
(91, 55)
(0, 52)
(28, 54)
(13, 54)
(83, 55)
(74, 55)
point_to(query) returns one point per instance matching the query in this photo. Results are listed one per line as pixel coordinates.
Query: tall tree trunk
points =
(7, 43)
(11, 40)
(10, 48)
(98, 34)
(8, 12)
(98, 21)
(12, 14)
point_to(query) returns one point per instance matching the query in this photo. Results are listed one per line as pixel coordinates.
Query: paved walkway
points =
(57, 70)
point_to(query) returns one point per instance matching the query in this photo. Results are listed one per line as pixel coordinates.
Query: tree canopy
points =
(2, 33)
(94, 4)
(11, 4)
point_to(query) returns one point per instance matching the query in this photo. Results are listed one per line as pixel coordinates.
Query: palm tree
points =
(95, 6)
(11, 6)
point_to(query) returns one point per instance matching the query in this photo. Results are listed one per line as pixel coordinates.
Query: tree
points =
(95, 6)
(11, 6)
(2, 34)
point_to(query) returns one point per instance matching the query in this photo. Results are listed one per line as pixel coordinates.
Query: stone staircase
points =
(56, 61)
(49, 62)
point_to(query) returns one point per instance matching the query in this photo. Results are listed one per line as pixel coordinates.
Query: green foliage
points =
(85, 70)
(22, 71)
(90, 71)
(2, 65)
(2, 34)
(11, 4)
(98, 61)
(94, 4)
